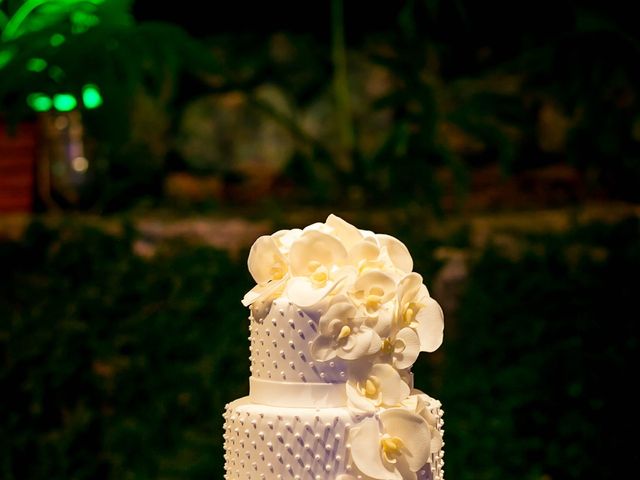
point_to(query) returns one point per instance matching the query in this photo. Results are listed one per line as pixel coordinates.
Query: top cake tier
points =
(331, 303)
(281, 341)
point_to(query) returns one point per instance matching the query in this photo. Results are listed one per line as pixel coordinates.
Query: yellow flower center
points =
(313, 265)
(320, 278)
(362, 265)
(373, 299)
(278, 271)
(391, 448)
(388, 346)
(365, 264)
(372, 302)
(319, 274)
(345, 331)
(377, 291)
(370, 388)
(410, 312)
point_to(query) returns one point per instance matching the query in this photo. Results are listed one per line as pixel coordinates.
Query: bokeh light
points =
(91, 96)
(39, 102)
(64, 102)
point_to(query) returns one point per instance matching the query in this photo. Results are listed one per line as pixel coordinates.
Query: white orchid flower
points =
(381, 386)
(393, 447)
(425, 406)
(268, 267)
(285, 238)
(343, 231)
(342, 333)
(317, 267)
(365, 255)
(372, 290)
(397, 251)
(374, 293)
(416, 309)
(317, 227)
(401, 349)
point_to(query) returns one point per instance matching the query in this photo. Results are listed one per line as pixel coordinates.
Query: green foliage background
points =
(117, 367)
(112, 366)
(537, 372)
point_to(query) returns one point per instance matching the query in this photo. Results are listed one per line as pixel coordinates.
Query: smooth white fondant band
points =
(289, 394)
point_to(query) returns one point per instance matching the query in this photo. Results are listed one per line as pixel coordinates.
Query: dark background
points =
(500, 141)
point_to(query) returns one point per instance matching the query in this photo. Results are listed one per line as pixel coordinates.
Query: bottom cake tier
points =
(271, 443)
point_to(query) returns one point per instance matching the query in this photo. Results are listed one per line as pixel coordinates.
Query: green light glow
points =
(36, 65)
(56, 73)
(6, 56)
(64, 102)
(39, 102)
(56, 39)
(82, 21)
(13, 27)
(91, 96)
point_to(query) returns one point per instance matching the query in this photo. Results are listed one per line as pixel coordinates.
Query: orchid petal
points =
(383, 322)
(411, 402)
(262, 292)
(263, 256)
(393, 389)
(346, 233)
(404, 468)
(414, 432)
(344, 312)
(375, 279)
(429, 325)
(408, 288)
(398, 252)
(304, 293)
(409, 354)
(436, 440)
(365, 451)
(314, 246)
(323, 348)
(358, 402)
(363, 250)
(365, 342)
(423, 408)
(285, 238)
(317, 227)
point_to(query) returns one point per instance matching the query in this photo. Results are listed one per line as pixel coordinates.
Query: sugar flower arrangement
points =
(377, 315)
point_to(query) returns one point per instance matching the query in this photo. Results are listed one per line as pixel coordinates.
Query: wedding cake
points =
(337, 319)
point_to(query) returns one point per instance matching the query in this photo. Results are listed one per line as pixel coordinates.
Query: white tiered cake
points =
(337, 319)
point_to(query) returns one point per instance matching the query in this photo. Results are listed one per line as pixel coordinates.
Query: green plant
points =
(112, 366)
(88, 54)
(537, 364)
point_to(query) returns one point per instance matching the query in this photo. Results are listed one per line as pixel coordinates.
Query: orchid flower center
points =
(371, 388)
(388, 346)
(392, 345)
(410, 312)
(374, 299)
(391, 448)
(278, 271)
(372, 303)
(319, 273)
(345, 331)
(365, 264)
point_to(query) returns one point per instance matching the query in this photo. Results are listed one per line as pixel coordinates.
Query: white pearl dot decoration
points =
(285, 332)
(290, 442)
(282, 443)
